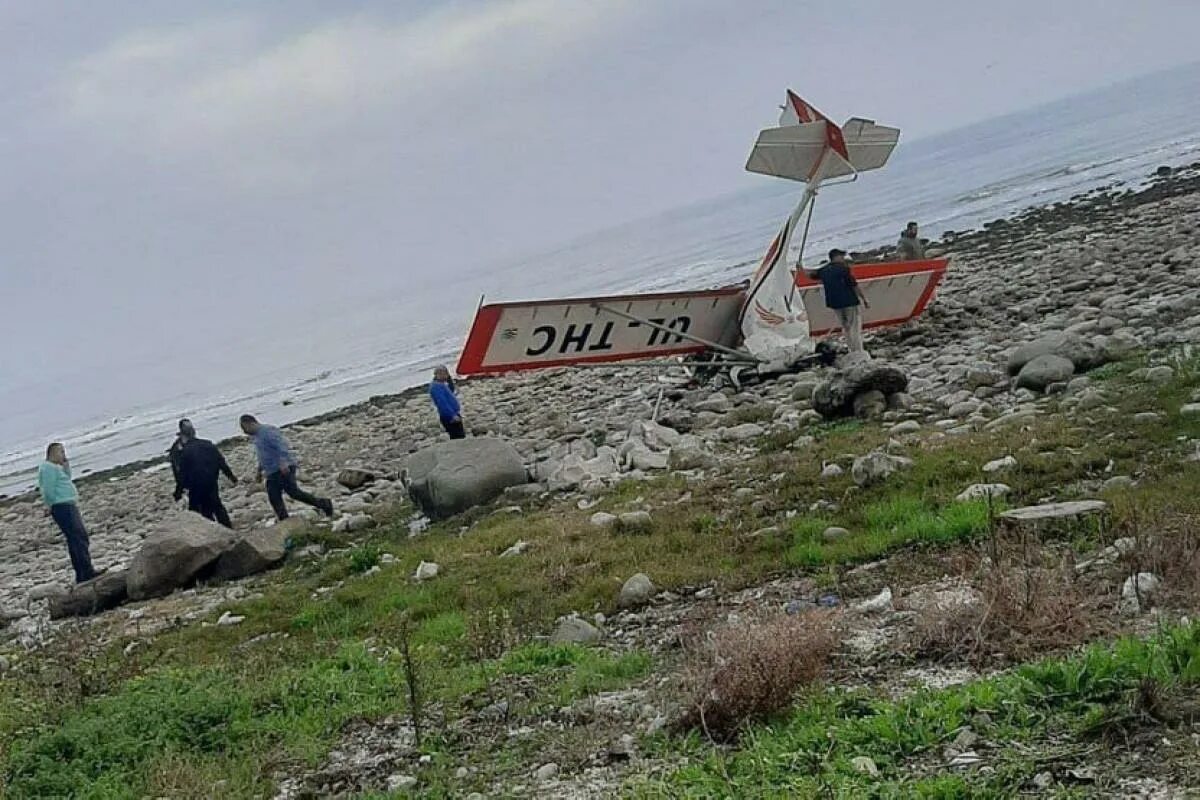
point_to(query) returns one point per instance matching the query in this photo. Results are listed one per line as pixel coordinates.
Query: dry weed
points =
(1030, 601)
(752, 669)
(1168, 546)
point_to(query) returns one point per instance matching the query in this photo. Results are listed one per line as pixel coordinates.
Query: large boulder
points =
(452, 476)
(101, 593)
(1045, 370)
(1083, 353)
(180, 549)
(257, 551)
(835, 396)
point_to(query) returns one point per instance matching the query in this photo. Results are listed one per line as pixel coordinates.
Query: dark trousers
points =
(278, 484)
(71, 523)
(455, 429)
(206, 501)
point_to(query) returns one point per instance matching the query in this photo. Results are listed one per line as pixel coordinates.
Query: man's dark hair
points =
(185, 423)
(247, 418)
(50, 448)
(834, 253)
(911, 225)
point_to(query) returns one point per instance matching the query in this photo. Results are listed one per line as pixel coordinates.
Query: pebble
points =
(229, 618)
(999, 464)
(515, 550)
(832, 470)
(636, 591)
(834, 533)
(400, 783)
(743, 432)
(44, 590)
(573, 630)
(1118, 482)
(878, 604)
(426, 570)
(865, 765)
(1137, 592)
(981, 491)
(602, 519)
(635, 521)
(1160, 376)
(546, 771)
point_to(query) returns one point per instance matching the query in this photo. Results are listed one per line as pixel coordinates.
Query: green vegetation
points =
(884, 526)
(320, 645)
(1033, 716)
(363, 558)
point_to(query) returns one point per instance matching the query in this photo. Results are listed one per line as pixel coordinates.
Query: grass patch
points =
(1025, 716)
(582, 671)
(115, 745)
(883, 526)
(363, 558)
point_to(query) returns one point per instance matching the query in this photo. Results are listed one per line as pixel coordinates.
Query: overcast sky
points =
(178, 171)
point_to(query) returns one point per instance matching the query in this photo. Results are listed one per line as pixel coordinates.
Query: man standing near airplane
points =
(441, 390)
(909, 247)
(843, 296)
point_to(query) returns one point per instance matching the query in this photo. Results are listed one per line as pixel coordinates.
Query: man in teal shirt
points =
(59, 495)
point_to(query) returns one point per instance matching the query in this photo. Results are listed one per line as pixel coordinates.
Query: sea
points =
(952, 181)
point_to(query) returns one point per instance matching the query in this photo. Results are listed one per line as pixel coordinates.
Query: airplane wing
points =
(898, 291)
(507, 337)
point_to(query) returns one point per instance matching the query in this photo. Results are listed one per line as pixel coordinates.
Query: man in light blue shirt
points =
(59, 495)
(278, 465)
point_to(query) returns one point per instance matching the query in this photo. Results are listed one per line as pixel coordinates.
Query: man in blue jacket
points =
(59, 495)
(441, 389)
(277, 464)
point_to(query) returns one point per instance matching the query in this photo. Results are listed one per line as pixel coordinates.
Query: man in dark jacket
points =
(843, 297)
(198, 464)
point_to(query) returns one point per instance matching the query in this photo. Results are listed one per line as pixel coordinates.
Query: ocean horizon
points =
(957, 181)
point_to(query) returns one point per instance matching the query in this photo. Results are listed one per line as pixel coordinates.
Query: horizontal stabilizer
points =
(868, 144)
(806, 140)
(794, 152)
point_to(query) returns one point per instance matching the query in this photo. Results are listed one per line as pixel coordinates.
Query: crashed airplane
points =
(775, 322)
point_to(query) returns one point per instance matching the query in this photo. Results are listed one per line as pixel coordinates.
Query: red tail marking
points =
(803, 110)
(835, 140)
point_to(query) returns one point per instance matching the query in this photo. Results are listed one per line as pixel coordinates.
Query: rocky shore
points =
(1064, 288)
